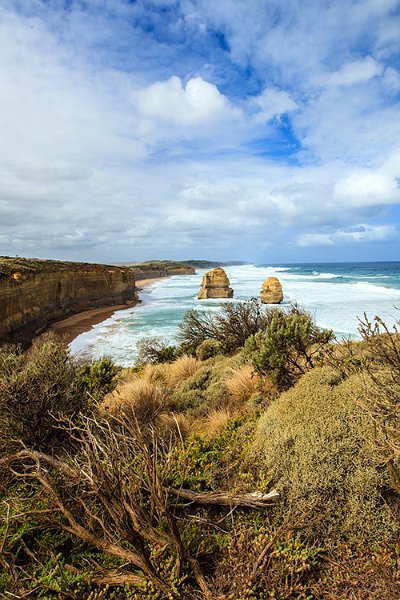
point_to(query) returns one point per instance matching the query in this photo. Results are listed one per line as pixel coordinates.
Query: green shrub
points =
(155, 350)
(231, 326)
(205, 391)
(207, 349)
(37, 389)
(218, 463)
(97, 378)
(315, 441)
(285, 573)
(288, 346)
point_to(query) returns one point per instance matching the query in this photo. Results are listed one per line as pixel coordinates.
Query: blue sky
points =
(259, 130)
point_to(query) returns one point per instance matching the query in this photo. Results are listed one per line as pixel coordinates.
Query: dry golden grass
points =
(242, 383)
(156, 373)
(213, 424)
(138, 399)
(181, 369)
(177, 423)
(148, 403)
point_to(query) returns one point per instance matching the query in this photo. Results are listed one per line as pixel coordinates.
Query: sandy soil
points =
(68, 329)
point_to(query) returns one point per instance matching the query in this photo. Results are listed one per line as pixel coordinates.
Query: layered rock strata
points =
(215, 284)
(34, 293)
(271, 291)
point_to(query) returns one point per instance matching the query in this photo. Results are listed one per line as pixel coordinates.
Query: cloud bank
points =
(181, 128)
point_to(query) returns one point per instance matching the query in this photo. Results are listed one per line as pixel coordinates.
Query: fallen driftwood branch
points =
(252, 500)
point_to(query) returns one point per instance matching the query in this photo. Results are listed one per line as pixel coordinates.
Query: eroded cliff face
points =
(35, 294)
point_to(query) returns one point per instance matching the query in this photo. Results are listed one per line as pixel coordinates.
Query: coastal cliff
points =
(35, 293)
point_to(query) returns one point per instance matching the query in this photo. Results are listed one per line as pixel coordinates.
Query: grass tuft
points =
(181, 369)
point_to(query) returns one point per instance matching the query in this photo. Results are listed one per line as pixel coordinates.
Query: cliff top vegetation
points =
(247, 462)
(10, 266)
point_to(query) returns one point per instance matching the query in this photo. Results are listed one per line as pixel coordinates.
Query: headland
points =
(36, 293)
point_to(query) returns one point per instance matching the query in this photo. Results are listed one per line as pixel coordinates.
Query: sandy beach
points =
(68, 329)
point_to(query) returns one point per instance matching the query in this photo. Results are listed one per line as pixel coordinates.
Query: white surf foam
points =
(335, 305)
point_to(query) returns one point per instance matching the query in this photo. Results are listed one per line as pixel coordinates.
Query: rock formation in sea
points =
(271, 291)
(215, 284)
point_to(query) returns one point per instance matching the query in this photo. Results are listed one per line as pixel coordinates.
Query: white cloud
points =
(353, 73)
(129, 157)
(371, 187)
(272, 103)
(315, 239)
(195, 103)
(360, 234)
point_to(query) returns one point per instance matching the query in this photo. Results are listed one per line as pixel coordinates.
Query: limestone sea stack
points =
(271, 291)
(215, 284)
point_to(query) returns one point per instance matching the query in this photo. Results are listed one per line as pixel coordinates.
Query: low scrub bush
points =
(359, 572)
(381, 390)
(230, 327)
(315, 442)
(376, 360)
(155, 350)
(262, 563)
(97, 378)
(288, 347)
(208, 349)
(219, 461)
(37, 390)
(205, 391)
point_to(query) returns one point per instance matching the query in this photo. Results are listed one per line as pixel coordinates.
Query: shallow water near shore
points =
(335, 293)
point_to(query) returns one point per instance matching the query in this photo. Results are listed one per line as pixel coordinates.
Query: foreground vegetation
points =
(255, 460)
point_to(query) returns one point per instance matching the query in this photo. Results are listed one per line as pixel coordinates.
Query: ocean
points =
(335, 293)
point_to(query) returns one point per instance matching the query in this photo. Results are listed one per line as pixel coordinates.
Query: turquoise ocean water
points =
(335, 293)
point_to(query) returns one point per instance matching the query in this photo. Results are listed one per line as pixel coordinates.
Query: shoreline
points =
(70, 328)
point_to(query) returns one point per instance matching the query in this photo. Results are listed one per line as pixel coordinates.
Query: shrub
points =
(288, 347)
(216, 462)
(155, 350)
(259, 562)
(207, 349)
(205, 390)
(97, 378)
(381, 390)
(37, 389)
(231, 326)
(377, 361)
(315, 442)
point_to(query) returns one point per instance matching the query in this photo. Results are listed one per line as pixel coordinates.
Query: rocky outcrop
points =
(35, 293)
(271, 291)
(215, 284)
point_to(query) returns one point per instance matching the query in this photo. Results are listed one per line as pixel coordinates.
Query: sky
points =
(256, 130)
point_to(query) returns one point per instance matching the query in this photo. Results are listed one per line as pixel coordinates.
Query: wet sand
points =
(68, 329)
